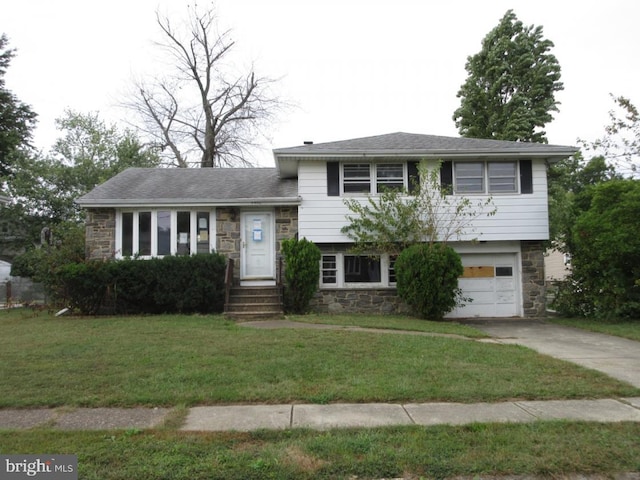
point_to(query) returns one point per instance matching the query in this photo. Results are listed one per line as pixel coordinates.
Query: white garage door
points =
(492, 282)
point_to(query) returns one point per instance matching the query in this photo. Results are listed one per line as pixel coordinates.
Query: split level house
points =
(245, 214)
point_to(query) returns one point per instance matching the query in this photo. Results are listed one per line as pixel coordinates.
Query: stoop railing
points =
(280, 278)
(228, 281)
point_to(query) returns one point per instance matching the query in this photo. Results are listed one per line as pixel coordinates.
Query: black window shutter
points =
(414, 176)
(446, 176)
(526, 177)
(333, 179)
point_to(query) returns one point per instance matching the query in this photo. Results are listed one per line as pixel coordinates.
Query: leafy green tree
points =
(17, 120)
(568, 180)
(510, 90)
(605, 241)
(89, 153)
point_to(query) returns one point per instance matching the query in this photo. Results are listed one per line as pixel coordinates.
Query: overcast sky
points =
(353, 68)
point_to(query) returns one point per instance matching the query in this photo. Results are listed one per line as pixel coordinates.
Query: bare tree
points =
(620, 145)
(204, 107)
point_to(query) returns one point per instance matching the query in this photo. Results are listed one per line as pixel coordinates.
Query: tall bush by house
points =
(302, 273)
(427, 279)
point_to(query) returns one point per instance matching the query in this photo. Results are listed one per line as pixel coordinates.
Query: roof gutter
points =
(191, 202)
(436, 154)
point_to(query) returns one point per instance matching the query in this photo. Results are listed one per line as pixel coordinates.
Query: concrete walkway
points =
(246, 418)
(615, 356)
(323, 417)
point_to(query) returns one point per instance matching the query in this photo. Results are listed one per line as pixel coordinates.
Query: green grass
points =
(621, 328)
(549, 449)
(391, 322)
(204, 360)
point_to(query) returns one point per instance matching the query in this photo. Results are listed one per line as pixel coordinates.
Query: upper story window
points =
(502, 177)
(469, 177)
(154, 233)
(372, 177)
(356, 177)
(389, 176)
(485, 177)
(457, 177)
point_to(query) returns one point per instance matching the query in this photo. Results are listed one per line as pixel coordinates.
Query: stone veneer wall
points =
(228, 231)
(286, 225)
(369, 300)
(228, 235)
(355, 300)
(100, 231)
(534, 300)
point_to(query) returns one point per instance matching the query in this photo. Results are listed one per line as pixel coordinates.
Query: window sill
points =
(358, 286)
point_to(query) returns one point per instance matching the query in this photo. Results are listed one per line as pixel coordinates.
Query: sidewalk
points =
(323, 417)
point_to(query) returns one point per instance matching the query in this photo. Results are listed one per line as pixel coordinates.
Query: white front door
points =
(258, 246)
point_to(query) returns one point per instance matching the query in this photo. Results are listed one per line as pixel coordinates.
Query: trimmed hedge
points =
(180, 284)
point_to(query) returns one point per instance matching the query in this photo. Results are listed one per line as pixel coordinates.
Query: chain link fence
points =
(21, 291)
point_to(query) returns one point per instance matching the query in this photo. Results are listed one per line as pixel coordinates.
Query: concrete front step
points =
(254, 299)
(255, 290)
(254, 303)
(249, 316)
(275, 307)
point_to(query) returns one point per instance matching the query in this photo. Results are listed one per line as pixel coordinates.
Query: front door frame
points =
(247, 225)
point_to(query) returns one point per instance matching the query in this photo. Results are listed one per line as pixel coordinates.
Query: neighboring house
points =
(557, 265)
(246, 213)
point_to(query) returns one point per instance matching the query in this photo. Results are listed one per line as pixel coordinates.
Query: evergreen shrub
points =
(302, 273)
(427, 279)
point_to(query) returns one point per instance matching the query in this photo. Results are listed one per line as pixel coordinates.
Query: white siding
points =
(518, 217)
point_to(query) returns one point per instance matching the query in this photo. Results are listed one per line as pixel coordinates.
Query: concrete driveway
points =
(615, 356)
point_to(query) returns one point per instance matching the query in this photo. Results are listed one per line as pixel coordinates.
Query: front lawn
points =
(548, 449)
(621, 328)
(203, 360)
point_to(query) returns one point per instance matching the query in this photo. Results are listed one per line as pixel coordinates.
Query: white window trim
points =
(340, 274)
(193, 242)
(485, 177)
(373, 176)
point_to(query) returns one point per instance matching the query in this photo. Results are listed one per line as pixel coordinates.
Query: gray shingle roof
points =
(410, 143)
(179, 186)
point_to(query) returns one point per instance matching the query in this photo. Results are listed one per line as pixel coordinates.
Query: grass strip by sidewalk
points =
(206, 360)
(620, 328)
(550, 449)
